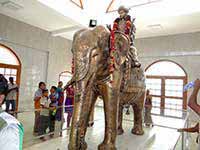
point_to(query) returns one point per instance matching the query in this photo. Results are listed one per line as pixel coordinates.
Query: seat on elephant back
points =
(133, 78)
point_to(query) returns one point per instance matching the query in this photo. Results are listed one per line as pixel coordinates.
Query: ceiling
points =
(153, 17)
(39, 15)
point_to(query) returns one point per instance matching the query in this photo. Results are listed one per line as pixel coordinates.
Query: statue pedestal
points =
(127, 141)
(163, 135)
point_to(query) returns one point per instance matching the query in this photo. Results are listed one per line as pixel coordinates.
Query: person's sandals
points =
(43, 139)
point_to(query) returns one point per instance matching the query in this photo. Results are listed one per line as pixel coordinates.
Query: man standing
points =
(123, 24)
(11, 131)
(11, 96)
(3, 87)
(147, 111)
(37, 97)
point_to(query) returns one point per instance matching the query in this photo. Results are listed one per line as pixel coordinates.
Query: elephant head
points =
(87, 50)
(91, 48)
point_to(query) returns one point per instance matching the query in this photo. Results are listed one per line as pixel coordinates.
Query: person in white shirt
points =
(11, 96)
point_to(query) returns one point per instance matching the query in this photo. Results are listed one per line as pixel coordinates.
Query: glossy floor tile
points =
(162, 136)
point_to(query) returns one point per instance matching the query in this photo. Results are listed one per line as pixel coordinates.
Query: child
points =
(44, 114)
(59, 113)
(60, 93)
(53, 98)
(69, 103)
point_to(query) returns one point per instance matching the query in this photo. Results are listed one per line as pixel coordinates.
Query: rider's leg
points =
(134, 57)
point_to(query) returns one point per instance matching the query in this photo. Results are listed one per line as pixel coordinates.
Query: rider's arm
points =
(193, 98)
(128, 24)
(115, 24)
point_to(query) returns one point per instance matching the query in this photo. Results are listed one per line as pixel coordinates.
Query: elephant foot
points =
(120, 131)
(108, 146)
(82, 146)
(90, 124)
(137, 131)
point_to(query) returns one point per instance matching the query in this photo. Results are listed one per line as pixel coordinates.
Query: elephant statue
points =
(92, 78)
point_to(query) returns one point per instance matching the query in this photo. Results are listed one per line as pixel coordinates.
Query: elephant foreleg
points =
(137, 108)
(80, 120)
(110, 112)
(120, 118)
(110, 94)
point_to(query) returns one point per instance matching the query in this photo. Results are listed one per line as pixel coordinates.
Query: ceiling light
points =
(92, 23)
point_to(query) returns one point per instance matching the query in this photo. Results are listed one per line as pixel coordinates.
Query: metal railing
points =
(181, 137)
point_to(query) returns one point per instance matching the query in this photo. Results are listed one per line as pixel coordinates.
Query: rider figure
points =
(123, 23)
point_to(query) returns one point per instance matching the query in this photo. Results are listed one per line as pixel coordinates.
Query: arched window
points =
(165, 80)
(10, 65)
(65, 77)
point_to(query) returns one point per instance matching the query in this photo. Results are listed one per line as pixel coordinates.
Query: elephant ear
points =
(122, 46)
(122, 43)
(75, 37)
(84, 43)
(81, 56)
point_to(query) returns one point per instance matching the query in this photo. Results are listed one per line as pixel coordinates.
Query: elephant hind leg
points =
(137, 108)
(120, 130)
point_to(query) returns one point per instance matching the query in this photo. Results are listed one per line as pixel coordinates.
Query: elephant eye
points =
(95, 47)
(95, 55)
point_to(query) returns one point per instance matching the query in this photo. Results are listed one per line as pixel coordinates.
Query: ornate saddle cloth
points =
(133, 78)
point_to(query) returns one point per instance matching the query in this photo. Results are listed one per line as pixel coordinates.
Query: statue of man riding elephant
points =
(92, 78)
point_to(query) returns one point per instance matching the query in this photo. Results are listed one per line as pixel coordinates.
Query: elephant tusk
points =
(71, 82)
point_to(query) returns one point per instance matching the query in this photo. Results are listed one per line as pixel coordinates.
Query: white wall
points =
(43, 57)
(183, 49)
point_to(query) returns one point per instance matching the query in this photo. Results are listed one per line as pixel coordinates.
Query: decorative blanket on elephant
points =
(133, 79)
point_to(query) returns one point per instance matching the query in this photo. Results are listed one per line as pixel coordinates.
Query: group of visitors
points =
(49, 109)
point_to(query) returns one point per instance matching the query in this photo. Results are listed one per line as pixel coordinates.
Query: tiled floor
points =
(156, 138)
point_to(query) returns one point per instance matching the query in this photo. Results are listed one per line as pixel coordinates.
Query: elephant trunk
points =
(83, 69)
(83, 81)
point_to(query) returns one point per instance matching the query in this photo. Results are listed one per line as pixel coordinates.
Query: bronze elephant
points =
(92, 79)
